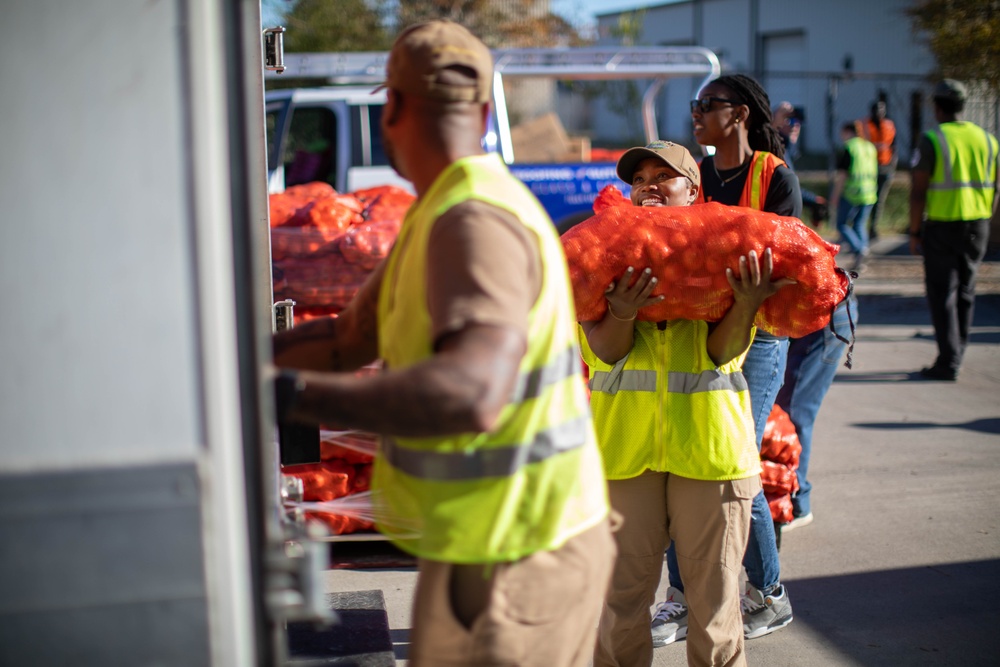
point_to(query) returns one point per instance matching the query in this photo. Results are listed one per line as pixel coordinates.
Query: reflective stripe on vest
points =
(962, 196)
(497, 461)
(667, 407)
(949, 182)
(533, 480)
(756, 171)
(615, 380)
(693, 383)
(531, 383)
(758, 181)
(754, 192)
(501, 460)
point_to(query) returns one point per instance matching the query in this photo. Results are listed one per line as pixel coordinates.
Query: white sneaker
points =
(797, 522)
(763, 614)
(670, 623)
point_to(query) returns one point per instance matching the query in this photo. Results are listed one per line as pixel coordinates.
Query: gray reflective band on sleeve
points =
(693, 383)
(502, 461)
(531, 384)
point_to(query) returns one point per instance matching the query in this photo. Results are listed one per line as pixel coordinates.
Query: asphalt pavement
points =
(902, 563)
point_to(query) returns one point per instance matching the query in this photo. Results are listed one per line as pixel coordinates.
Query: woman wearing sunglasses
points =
(733, 115)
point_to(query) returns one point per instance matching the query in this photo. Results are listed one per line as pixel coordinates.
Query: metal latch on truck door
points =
(274, 49)
(283, 315)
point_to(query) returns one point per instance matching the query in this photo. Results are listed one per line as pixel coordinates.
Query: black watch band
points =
(287, 386)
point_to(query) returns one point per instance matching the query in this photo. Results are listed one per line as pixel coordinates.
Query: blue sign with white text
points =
(567, 190)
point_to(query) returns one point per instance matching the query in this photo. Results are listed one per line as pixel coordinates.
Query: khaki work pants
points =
(710, 523)
(540, 611)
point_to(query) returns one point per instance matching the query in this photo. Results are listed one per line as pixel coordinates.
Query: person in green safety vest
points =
(488, 469)
(952, 198)
(855, 191)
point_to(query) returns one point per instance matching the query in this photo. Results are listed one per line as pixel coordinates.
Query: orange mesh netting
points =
(323, 481)
(689, 248)
(777, 478)
(325, 244)
(779, 453)
(332, 480)
(781, 507)
(780, 442)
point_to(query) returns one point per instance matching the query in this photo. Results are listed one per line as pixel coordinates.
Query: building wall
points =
(797, 49)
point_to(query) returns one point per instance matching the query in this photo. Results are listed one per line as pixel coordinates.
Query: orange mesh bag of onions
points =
(689, 249)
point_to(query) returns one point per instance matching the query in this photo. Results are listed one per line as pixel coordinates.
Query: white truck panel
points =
(95, 262)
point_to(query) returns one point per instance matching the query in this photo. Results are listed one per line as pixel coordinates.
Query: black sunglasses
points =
(704, 104)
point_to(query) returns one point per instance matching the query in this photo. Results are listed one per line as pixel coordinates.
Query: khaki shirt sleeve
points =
(483, 267)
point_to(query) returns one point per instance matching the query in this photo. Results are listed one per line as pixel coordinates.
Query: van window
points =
(311, 148)
(367, 149)
(271, 126)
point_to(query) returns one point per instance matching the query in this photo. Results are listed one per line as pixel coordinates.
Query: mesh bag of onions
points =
(689, 249)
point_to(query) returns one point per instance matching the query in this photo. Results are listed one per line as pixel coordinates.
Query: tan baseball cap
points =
(440, 60)
(673, 154)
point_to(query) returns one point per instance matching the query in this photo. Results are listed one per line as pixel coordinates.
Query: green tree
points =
(369, 25)
(964, 36)
(344, 25)
(500, 24)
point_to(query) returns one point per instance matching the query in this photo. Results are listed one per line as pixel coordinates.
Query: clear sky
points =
(583, 12)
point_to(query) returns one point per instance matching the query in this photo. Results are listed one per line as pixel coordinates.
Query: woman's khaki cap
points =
(440, 60)
(675, 155)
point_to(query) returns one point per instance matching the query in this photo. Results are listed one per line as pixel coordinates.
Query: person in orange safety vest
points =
(881, 131)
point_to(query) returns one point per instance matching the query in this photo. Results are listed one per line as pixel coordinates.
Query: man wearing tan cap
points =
(673, 420)
(488, 470)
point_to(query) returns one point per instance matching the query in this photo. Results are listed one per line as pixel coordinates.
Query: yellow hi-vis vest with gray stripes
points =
(667, 407)
(861, 186)
(963, 182)
(535, 480)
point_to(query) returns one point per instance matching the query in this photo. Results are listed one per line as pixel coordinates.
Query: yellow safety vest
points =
(861, 187)
(758, 181)
(761, 170)
(535, 480)
(667, 407)
(963, 181)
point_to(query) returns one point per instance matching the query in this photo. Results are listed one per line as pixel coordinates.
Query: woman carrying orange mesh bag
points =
(672, 415)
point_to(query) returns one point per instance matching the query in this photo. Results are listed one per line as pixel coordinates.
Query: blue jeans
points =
(812, 365)
(852, 223)
(764, 369)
